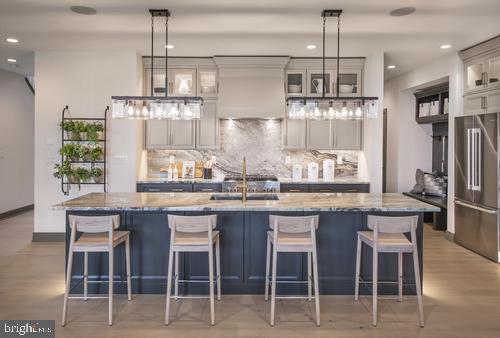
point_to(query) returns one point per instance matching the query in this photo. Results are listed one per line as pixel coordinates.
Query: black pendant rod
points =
(152, 51)
(324, 34)
(166, 56)
(338, 54)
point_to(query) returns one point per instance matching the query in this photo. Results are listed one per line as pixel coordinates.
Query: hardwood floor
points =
(461, 299)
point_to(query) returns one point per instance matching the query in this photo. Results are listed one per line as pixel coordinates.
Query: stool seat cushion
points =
(300, 239)
(194, 238)
(387, 242)
(99, 241)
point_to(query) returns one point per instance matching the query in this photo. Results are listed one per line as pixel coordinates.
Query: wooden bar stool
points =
(193, 234)
(388, 236)
(99, 235)
(292, 234)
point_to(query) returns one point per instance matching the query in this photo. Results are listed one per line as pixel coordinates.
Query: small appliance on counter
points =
(207, 170)
(297, 172)
(312, 172)
(328, 170)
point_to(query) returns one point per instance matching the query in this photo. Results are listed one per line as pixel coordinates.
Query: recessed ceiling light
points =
(445, 46)
(11, 60)
(12, 40)
(403, 11)
(83, 10)
(169, 46)
(311, 47)
(391, 66)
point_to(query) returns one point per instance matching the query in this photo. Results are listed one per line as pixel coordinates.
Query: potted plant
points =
(97, 174)
(70, 151)
(95, 131)
(96, 154)
(84, 153)
(82, 175)
(64, 170)
(81, 129)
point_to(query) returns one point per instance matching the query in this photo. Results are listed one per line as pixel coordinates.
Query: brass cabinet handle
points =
(351, 190)
(177, 190)
(295, 190)
(207, 189)
(152, 189)
(325, 190)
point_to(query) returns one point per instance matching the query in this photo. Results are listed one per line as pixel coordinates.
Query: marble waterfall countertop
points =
(287, 202)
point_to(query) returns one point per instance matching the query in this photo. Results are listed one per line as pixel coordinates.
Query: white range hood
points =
(251, 87)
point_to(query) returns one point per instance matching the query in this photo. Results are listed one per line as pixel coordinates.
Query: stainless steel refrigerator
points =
(477, 184)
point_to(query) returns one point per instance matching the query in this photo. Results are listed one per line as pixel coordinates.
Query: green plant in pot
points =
(94, 131)
(70, 151)
(84, 153)
(81, 129)
(64, 170)
(97, 174)
(67, 127)
(96, 154)
(82, 175)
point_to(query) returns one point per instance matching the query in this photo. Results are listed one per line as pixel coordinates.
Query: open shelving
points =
(433, 94)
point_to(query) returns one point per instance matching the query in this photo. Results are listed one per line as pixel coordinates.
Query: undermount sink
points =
(250, 197)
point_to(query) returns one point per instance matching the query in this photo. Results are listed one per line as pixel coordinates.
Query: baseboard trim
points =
(17, 211)
(449, 236)
(49, 237)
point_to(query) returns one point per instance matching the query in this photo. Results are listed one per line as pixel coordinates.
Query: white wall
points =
(16, 142)
(371, 158)
(84, 80)
(409, 144)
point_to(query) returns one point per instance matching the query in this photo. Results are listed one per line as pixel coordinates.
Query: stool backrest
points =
(94, 224)
(293, 224)
(392, 224)
(192, 223)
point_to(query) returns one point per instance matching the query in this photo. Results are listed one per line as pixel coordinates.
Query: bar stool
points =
(193, 234)
(388, 236)
(292, 234)
(98, 235)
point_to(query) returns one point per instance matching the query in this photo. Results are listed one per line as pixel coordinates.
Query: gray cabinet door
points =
(347, 134)
(474, 104)
(207, 129)
(294, 134)
(319, 135)
(182, 134)
(157, 134)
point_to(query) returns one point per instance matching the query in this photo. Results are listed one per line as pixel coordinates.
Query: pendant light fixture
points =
(157, 107)
(333, 107)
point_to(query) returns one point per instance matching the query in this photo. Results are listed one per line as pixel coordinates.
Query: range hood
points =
(251, 87)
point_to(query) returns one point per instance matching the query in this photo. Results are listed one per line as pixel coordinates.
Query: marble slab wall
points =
(260, 142)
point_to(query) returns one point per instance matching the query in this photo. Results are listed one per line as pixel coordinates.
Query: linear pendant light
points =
(333, 107)
(157, 107)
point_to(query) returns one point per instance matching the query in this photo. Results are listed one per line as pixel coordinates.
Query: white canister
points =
(297, 172)
(312, 171)
(328, 170)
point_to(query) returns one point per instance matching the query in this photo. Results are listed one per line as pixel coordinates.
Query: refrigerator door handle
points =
(469, 169)
(467, 205)
(476, 163)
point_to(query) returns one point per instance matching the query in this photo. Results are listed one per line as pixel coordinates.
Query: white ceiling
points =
(243, 27)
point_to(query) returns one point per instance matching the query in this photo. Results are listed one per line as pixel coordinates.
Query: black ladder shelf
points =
(65, 185)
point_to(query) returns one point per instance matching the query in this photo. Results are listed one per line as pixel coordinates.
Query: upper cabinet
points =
(349, 83)
(316, 84)
(295, 82)
(482, 66)
(166, 134)
(347, 134)
(207, 127)
(208, 85)
(182, 82)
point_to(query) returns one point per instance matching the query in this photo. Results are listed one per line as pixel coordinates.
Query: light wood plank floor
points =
(461, 299)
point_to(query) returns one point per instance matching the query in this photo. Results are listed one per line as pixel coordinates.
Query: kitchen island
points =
(243, 228)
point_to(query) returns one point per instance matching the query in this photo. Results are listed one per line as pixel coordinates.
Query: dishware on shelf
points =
(294, 89)
(318, 85)
(346, 88)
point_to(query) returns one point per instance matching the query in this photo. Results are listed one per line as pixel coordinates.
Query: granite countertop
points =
(180, 180)
(287, 202)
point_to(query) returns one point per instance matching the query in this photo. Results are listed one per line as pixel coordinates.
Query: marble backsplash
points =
(260, 142)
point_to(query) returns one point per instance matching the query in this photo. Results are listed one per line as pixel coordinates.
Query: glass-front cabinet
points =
(315, 82)
(183, 82)
(208, 85)
(474, 74)
(349, 83)
(482, 73)
(295, 82)
(494, 71)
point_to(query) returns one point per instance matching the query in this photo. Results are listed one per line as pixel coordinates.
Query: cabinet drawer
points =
(165, 187)
(294, 187)
(179, 187)
(339, 188)
(207, 187)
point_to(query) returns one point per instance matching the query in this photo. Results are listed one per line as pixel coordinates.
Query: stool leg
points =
(309, 276)
(375, 285)
(169, 284)
(211, 282)
(176, 276)
(358, 269)
(127, 262)
(400, 276)
(85, 275)
(217, 266)
(273, 283)
(68, 283)
(110, 287)
(268, 263)
(316, 285)
(418, 286)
